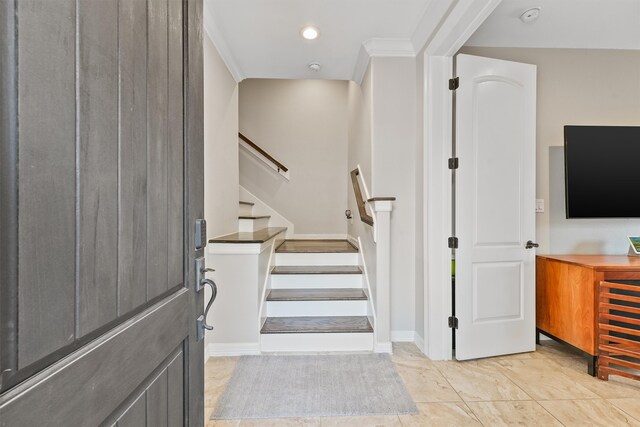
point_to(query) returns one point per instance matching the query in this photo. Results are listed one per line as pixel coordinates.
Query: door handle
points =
(214, 294)
(530, 244)
(200, 283)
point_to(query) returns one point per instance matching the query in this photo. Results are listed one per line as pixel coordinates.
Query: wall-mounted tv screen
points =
(602, 171)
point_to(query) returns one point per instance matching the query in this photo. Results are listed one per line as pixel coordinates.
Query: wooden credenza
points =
(567, 296)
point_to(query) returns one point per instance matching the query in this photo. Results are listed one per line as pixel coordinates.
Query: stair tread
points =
(316, 269)
(316, 324)
(246, 203)
(253, 217)
(316, 246)
(319, 294)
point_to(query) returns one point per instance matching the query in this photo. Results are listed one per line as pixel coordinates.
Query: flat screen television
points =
(602, 171)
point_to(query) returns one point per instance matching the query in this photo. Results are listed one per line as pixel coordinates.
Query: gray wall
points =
(302, 124)
(383, 140)
(581, 87)
(360, 107)
(220, 144)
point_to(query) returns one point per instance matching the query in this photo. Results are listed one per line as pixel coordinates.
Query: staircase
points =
(311, 294)
(317, 301)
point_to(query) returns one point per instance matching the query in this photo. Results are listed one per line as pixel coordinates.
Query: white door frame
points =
(457, 23)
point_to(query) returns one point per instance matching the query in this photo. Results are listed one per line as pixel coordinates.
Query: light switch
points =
(539, 205)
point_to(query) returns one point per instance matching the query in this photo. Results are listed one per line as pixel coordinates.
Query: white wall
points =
(303, 124)
(220, 144)
(576, 86)
(383, 140)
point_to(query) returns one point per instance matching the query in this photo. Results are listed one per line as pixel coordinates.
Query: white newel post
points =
(382, 207)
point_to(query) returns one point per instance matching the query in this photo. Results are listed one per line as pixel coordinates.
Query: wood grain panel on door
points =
(101, 167)
(94, 200)
(132, 232)
(157, 401)
(161, 401)
(157, 104)
(47, 189)
(97, 164)
(96, 384)
(175, 156)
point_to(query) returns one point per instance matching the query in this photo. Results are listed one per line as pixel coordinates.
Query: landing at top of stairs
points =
(316, 246)
(259, 236)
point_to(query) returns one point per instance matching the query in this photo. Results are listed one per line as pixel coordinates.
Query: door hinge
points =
(454, 83)
(453, 242)
(454, 163)
(453, 322)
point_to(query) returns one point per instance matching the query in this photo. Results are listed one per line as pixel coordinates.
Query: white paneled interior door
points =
(495, 207)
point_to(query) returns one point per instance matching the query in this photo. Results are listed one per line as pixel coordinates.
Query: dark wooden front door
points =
(102, 181)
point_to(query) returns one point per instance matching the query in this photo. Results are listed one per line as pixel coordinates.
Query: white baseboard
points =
(419, 342)
(232, 349)
(403, 336)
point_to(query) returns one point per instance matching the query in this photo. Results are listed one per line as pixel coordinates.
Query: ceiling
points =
(261, 39)
(583, 24)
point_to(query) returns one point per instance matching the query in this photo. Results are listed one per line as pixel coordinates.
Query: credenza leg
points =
(537, 336)
(592, 365)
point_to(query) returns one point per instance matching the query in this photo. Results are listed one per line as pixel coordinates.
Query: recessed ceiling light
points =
(530, 15)
(310, 33)
(314, 66)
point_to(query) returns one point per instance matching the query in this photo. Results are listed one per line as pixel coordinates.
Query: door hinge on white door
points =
(454, 163)
(453, 322)
(454, 83)
(453, 243)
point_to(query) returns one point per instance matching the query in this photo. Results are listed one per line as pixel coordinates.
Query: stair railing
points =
(360, 200)
(262, 155)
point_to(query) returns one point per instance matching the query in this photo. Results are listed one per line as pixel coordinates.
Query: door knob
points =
(530, 244)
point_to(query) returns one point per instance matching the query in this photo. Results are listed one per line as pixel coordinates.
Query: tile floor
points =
(549, 387)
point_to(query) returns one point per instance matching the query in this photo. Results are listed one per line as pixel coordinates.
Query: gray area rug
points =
(314, 386)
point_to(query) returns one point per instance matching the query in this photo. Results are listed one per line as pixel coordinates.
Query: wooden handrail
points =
(253, 145)
(364, 216)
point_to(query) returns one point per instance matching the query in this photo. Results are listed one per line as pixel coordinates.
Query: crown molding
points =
(362, 63)
(381, 48)
(389, 48)
(211, 30)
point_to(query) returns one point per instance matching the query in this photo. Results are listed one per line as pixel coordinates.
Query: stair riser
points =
(252, 224)
(245, 210)
(310, 281)
(316, 308)
(316, 342)
(317, 259)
